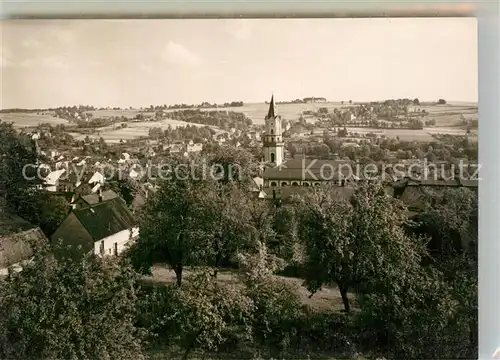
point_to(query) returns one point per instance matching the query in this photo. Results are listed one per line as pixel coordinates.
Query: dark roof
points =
(11, 224)
(93, 199)
(105, 219)
(439, 182)
(301, 169)
(286, 193)
(469, 182)
(414, 197)
(270, 113)
(15, 237)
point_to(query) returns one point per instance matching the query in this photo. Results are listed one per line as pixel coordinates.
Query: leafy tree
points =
(21, 182)
(351, 243)
(441, 101)
(277, 307)
(203, 315)
(228, 220)
(125, 188)
(59, 308)
(170, 227)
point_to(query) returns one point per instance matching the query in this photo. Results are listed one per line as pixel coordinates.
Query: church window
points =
(306, 184)
(272, 131)
(295, 183)
(272, 157)
(316, 184)
(283, 183)
(273, 184)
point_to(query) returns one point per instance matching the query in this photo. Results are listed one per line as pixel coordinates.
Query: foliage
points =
(20, 182)
(203, 315)
(170, 228)
(278, 309)
(59, 308)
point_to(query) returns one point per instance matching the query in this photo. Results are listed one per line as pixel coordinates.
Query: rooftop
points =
(105, 219)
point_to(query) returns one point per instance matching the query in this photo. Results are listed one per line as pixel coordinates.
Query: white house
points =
(97, 178)
(52, 179)
(105, 228)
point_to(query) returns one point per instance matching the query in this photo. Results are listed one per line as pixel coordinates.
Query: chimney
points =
(99, 192)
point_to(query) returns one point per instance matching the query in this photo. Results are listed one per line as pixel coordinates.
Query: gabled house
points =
(104, 229)
(16, 238)
(52, 180)
(93, 199)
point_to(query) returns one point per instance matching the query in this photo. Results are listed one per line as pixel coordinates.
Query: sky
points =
(50, 63)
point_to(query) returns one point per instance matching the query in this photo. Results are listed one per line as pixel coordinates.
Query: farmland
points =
(133, 130)
(448, 120)
(31, 119)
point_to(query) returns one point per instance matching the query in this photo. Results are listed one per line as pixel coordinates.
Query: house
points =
(308, 172)
(16, 239)
(52, 180)
(94, 198)
(195, 147)
(105, 228)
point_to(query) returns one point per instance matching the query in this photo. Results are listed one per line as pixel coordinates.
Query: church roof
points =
(270, 113)
(310, 169)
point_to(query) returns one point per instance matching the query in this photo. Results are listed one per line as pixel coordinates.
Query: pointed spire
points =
(270, 113)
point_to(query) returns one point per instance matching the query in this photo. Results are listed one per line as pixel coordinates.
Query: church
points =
(283, 177)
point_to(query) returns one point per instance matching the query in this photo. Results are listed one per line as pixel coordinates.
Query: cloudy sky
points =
(143, 62)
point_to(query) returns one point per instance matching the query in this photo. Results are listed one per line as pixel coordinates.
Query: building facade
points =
(272, 140)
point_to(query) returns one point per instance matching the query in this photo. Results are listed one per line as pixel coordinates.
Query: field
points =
(130, 113)
(31, 119)
(133, 130)
(448, 120)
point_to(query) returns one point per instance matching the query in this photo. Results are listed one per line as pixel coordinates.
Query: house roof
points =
(469, 182)
(15, 237)
(93, 199)
(309, 169)
(105, 219)
(286, 193)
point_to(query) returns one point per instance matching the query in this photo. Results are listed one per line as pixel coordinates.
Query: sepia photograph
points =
(239, 188)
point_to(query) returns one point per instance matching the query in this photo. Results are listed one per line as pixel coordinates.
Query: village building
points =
(16, 238)
(105, 228)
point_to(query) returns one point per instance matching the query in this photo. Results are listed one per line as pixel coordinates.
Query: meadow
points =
(31, 119)
(113, 134)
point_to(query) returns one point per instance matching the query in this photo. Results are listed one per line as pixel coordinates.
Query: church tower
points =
(273, 137)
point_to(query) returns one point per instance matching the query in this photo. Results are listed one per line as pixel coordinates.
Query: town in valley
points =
(310, 226)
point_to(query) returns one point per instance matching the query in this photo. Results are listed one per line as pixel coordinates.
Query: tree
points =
(60, 308)
(351, 243)
(21, 179)
(228, 220)
(170, 227)
(324, 229)
(231, 163)
(416, 101)
(441, 101)
(125, 188)
(204, 315)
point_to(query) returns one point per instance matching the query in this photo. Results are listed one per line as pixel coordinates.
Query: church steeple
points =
(270, 113)
(273, 137)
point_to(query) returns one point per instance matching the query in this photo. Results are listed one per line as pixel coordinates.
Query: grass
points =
(327, 299)
(31, 119)
(323, 302)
